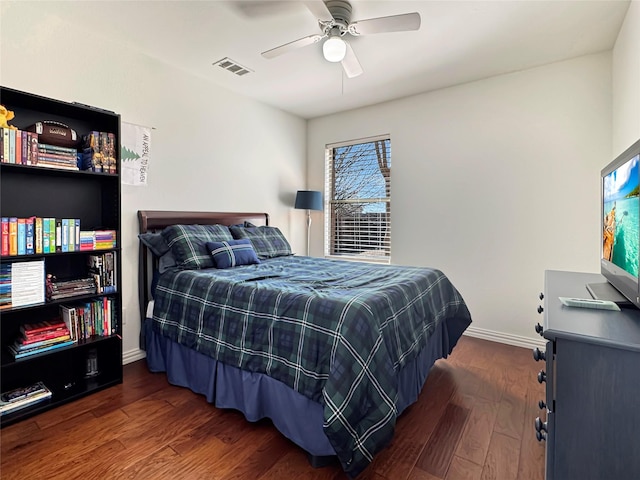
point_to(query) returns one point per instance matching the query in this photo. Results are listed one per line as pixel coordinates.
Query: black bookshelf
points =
(94, 198)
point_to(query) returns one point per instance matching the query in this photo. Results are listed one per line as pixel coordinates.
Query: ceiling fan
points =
(334, 19)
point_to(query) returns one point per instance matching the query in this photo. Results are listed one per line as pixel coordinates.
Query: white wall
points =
(492, 182)
(212, 150)
(626, 82)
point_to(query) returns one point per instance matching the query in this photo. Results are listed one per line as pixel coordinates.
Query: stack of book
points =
(53, 156)
(23, 397)
(41, 337)
(57, 290)
(97, 240)
(21, 283)
(102, 269)
(5, 285)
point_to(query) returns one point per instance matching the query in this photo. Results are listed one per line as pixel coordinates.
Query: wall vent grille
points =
(232, 66)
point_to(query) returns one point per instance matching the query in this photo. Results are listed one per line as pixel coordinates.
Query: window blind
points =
(358, 197)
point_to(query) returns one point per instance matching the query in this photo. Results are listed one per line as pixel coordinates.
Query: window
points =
(358, 196)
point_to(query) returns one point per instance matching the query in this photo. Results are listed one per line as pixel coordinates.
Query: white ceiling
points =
(458, 42)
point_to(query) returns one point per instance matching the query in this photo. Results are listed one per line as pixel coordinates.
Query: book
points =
(12, 146)
(46, 147)
(52, 235)
(58, 244)
(22, 236)
(30, 329)
(17, 355)
(13, 236)
(5, 138)
(77, 234)
(64, 229)
(45, 235)
(4, 251)
(25, 147)
(72, 235)
(41, 337)
(27, 283)
(23, 346)
(70, 318)
(23, 397)
(30, 248)
(38, 236)
(34, 148)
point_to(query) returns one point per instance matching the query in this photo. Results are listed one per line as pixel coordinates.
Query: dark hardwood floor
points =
(473, 420)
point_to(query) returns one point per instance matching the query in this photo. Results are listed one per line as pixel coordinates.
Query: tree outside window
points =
(358, 191)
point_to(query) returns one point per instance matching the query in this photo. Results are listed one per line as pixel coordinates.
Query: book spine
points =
(45, 235)
(26, 346)
(18, 355)
(58, 223)
(72, 235)
(76, 222)
(31, 329)
(24, 147)
(18, 147)
(34, 148)
(38, 235)
(52, 235)
(4, 251)
(2, 145)
(65, 234)
(22, 236)
(5, 137)
(46, 147)
(30, 248)
(13, 236)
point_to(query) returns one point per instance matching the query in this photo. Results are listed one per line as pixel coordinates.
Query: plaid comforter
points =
(335, 331)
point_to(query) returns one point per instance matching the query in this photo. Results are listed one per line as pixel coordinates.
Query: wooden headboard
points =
(156, 220)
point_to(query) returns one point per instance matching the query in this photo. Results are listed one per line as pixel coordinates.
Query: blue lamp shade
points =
(308, 200)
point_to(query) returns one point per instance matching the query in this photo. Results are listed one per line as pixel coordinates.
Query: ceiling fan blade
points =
(394, 23)
(287, 47)
(319, 10)
(350, 63)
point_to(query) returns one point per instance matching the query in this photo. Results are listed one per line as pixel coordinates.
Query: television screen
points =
(620, 203)
(621, 221)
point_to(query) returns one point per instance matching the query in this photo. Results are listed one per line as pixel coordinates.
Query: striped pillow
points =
(232, 253)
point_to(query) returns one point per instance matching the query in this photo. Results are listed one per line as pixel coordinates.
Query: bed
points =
(331, 351)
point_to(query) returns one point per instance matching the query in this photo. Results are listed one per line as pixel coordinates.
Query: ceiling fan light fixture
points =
(334, 49)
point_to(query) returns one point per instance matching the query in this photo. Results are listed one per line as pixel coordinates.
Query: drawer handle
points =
(538, 354)
(539, 328)
(540, 309)
(542, 377)
(541, 436)
(541, 404)
(540, 425)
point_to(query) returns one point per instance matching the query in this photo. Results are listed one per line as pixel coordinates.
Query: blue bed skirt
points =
(258, 396)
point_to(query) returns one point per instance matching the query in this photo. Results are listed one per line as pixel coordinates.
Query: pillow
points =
(158, 246)
(189, 243)
(232, 253)
(268, 242)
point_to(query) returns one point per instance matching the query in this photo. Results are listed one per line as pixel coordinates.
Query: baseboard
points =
(508, 338)
(133, 356)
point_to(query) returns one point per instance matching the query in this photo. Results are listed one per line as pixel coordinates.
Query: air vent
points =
(232, 66)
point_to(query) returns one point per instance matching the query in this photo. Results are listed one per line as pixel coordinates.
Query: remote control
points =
(589, 303)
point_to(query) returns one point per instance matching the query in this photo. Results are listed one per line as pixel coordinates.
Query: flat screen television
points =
(620, 222)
